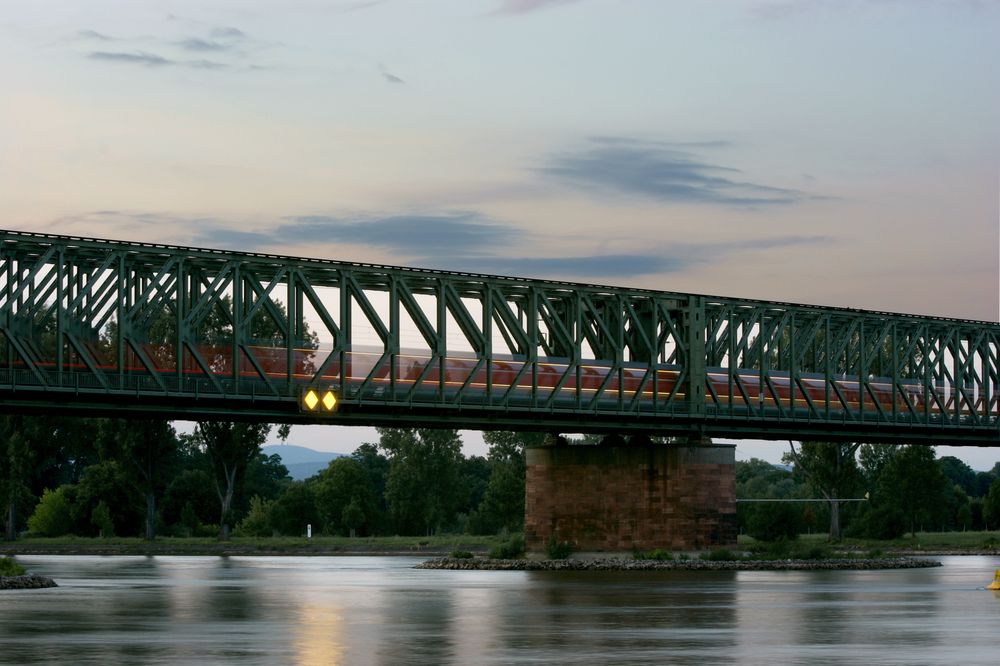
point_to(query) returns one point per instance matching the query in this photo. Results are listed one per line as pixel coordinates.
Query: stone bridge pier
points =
(621, 496)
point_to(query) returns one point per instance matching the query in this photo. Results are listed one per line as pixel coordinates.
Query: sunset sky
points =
(841, 153)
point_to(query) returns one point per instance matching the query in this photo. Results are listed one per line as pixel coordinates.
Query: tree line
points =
(92, 477)
(876, 491)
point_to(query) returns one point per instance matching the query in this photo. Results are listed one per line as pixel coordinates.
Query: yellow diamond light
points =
(310, 399)
(329, 401)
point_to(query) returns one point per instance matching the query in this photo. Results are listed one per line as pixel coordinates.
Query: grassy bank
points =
(395, 545)
(923, 542)
(929, 542)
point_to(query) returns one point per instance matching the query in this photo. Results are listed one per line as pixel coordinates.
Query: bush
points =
(510, 549)
(100, 518)
(258, 520)
(773, 521)
(884, 522)
(53, 515)
(10, 567)
(815, 552)
(558, 550)
(659, 555)
(719, 555)
(461, 554)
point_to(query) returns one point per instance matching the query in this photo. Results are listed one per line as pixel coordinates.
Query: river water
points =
(379, 610)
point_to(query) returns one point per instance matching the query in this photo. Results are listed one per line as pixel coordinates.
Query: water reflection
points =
(313, 611)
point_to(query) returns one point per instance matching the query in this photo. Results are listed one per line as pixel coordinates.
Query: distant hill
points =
(301, 462)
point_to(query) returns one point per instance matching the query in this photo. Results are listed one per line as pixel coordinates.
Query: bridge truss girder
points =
(109, 327)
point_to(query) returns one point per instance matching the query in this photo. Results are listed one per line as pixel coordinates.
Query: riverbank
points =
(242, 546)
(624, 564)
(932, 544)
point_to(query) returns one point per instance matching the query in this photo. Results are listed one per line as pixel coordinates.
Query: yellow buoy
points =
(995, 585)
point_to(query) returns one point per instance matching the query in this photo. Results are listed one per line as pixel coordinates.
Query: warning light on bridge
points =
(314, 399)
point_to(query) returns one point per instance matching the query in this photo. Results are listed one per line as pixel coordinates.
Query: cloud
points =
(669, 173)
(229, 47)
(389, 76)
(227, 32)
(410, 235)
(198, 44)
(153, 60)
(456, 241)
(349, 7)
(526, 6)
(594, 267)
(134, 58)
(94, 35)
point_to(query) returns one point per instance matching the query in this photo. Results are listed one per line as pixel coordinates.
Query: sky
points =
(842, 153)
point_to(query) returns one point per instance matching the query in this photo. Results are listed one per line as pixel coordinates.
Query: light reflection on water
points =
(378, 610)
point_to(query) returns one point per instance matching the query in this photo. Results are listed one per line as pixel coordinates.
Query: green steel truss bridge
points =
(92, 326)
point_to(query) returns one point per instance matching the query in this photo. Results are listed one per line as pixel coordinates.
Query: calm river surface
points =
(378, 610)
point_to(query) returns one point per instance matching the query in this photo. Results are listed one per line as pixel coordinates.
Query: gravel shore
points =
(623, 564)
(28, 582)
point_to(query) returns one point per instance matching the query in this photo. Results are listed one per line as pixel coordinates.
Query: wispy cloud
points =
(405, 234)
(132, 58)
(389, 76)
(590, 267)
(526, 6)
(360, 5)
(465, 241)
(229, 47)
(670, 173)
(153, 60)
(227, 32)
(94, 35)
(198, 44)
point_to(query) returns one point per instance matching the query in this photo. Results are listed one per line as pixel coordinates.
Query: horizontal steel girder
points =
(111, 327)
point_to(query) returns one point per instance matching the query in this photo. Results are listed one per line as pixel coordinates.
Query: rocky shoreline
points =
(26, 582)
(624, 564)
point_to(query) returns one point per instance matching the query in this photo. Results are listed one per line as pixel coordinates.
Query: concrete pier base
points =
(620, 497)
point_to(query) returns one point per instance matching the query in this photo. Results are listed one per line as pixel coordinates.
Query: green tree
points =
(107, 482)
(772, 521)
(265, 476)
(959, 474)
(52, 516)
(100, 518)
(831, 470)
(422, 489)
(353, 517)
(15, 461)
(474, 473)
(345, 480)
(147, 450)
(257, 522)
(991, 505)
(38, 452)
(873, 459)
(294, 509)
(194, 489)
(230, 447)
(502, 507)
(913, 481)
(376, 466)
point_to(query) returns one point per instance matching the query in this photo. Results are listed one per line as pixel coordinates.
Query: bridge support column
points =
(618, 497)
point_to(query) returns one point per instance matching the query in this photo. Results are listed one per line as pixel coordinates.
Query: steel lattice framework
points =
(108, 327)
